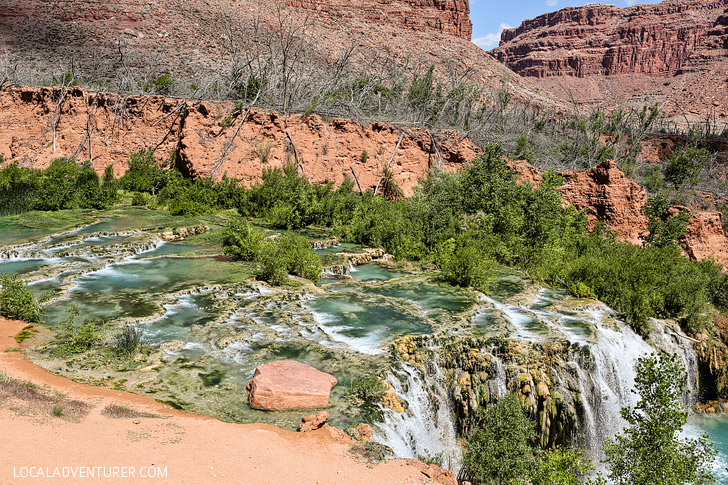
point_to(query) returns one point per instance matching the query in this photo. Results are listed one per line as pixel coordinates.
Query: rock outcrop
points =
(313, 421)
(668, 52)
(287, 384)
(706, 238)
(445, 16)
(330, 150)
(608, 196)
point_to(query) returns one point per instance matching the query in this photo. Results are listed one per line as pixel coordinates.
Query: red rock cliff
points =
(660, 40)
(446, 16)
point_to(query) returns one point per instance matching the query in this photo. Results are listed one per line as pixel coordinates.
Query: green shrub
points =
(241, 241)
(75, 338)
(290, 253)
(128, 341)
(17, 301)
(467, 266)
(683, 167)
(367, 388)
(498, 449)
(650, 450)
(143, 173)
(163, 84)
(664, 229)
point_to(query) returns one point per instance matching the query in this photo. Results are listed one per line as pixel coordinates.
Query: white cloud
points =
(629, 3)
(552, 3)
(488, 41)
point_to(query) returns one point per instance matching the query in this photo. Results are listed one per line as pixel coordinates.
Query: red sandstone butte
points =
(287, 384)
(674, 52)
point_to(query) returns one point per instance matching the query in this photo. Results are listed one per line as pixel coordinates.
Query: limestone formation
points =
(287, 384)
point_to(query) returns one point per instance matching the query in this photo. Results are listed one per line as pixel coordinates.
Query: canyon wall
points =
(661, 40)
(674, 53)
(208, 138)
(445, 16)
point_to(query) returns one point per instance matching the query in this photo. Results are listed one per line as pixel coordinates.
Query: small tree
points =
(498, 449)
(17, 301)
(663, 228)
(650, 451)
(683, 167)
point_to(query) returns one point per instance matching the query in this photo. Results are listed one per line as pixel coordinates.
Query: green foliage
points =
(364, 156)
(163, 84)
(75, 338)
(129, 341)
(466, 265)
(664, 229)
(683, 167)
(17, 301)
(498, 449)
(653, 179)
(369, 388)
(650, 451)
(289, 254)
(143, 174)
(63, 185)
(241, 241)
(563, 466)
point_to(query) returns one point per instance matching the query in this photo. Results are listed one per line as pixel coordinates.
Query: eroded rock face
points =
(599, 39)
(445, 16)
(329, 150)
(287, 384)
(674, 53)
(706, 238)
(608, 196)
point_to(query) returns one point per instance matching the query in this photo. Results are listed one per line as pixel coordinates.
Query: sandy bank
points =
(192, 449)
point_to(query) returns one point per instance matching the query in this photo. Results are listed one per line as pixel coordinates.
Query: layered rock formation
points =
(669, 52)
(287, 384)
(445, 16)
(194, 133)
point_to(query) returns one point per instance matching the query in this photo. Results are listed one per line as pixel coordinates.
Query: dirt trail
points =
(193, 449)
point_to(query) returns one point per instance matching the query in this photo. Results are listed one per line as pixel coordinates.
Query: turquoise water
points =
(375, 272)
(363, 323)
(716, 427)
(341, 248)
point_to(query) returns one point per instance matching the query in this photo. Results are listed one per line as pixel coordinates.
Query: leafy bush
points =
(664, 228)
(683, 167)
(367, 388)
(129, 341)
(17, 301)
(498, 449)
(290, 253)
(163, 84)
(75, 338)
(143, 173)
(467, 266)
(241, 241)
(651, 451)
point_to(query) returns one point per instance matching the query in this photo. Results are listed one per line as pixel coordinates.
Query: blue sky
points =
(490, 17)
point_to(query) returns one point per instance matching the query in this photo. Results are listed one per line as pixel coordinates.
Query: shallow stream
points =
(207, 325)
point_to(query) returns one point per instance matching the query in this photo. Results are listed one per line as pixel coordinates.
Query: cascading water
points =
(600, 371)
(426, 428)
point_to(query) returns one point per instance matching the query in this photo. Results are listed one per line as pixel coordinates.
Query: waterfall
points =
(599, 373)
(426, 429)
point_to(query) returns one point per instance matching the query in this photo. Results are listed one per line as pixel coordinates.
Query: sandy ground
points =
(192, 449)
